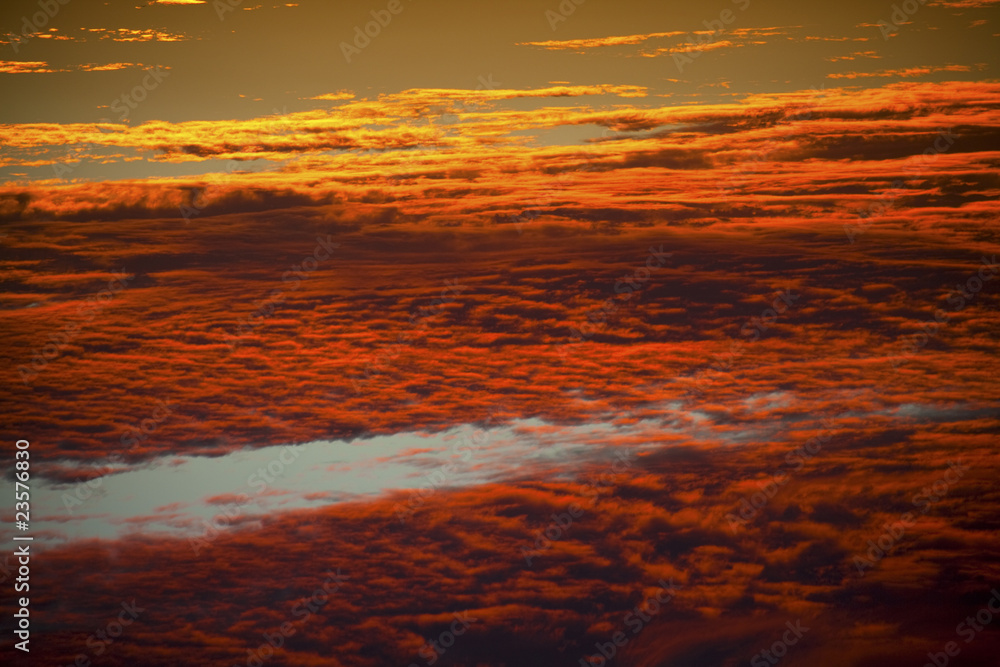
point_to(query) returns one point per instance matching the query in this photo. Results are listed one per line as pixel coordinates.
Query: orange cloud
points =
(334, 96)
(42, 67)
(854, 56)
(596, 42)
(663, 522)
(561, 315)
(689, 48)
(908, 72)
(964, 4)
(144, 35)
(582, 45)
(26, 67)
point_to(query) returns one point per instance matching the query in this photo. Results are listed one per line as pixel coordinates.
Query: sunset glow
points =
(540, 333)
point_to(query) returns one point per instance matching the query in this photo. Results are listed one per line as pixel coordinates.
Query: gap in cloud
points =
(177, 495)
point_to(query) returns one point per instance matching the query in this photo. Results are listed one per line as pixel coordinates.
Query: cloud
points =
(689, 48)
(729, 286)
(581, 45)
(140, 35)
(334, 96)
(388, 122)
(662, 519)
(25, 67)
(964, 4)
(558, 317)
(734, 37)
(908, 72)
(854, 56)
(42, 67)
(780, 173)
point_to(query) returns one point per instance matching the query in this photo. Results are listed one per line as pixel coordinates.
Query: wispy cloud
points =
(597, 42)
(854, 56)
(43, 67)
(906, 73)
(133, 35)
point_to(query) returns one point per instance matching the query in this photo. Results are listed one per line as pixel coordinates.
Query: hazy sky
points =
(257, 58)
(123, 65)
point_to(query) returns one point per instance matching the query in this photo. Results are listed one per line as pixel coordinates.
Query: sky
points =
(425, 332)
